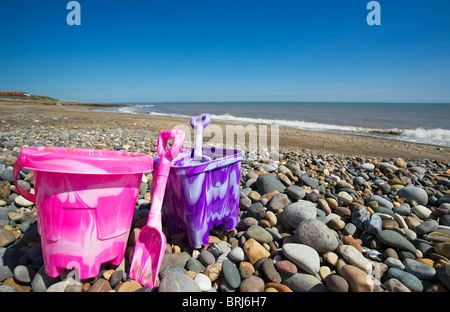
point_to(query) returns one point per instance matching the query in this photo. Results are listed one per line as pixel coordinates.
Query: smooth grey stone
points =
(419, 269)
(299, 211)
(395, 239)
(411, 193)
(177, 282)
(407, 279)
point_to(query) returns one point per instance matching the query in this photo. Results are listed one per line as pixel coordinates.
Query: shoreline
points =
(80, 115)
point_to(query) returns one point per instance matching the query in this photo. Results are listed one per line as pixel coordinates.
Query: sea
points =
(427, 123)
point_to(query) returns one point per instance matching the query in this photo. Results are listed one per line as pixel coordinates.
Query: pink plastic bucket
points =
(85, 200)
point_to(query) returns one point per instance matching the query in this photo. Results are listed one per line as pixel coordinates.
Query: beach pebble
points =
(246, 269)
(443, 274)
(74, 286)
(59, 286)
(395, 239)
(299, 211)
(169, 269)
(128, 286)
(336, 224)
(252, 284)
(19, 200)
(267, 183)
(42, 281)
(277, 202)
(100, 285)
(304, 256)
(374, 224)
(336, 283)
(296, 192)
(245, 223)
(116, 278)
(421, 211)
(404, 209)
(400, 221)
(426, 227)
(367, 166)
(195, 265)
(443, 249)
(357, 279)
(380, 200)
(231, 274)
(203, 282)
(22, 274)
(303, 282)
(354, 257)
(6, 237)
(394, 285)
(6, 288)
(413, 193)
(256, 211)
(213, 271)
(206, 258)
(419, 269)
(259, 234)
(255, 251)
(286, 267)
(394, 263)
(359, 216)
(178, 282)
(305, 179)
(270, 272)
(237, 254)
(407, 279)
(176, 259)
(244, 201)
(316, 234)
(386, 165)
(345, 197)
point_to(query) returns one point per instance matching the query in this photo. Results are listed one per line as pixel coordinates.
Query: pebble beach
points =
(330, 215)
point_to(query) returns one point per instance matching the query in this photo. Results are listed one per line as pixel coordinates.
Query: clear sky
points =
(227, 50)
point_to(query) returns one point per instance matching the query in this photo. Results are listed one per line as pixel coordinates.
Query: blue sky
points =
(217, 50)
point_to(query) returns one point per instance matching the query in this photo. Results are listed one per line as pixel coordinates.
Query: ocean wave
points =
(169, 115)
(128, 110)
(437, 136)
(440, 136)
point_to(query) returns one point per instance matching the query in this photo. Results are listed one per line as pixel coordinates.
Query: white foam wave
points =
(437, 136)
(303, 125)
(169, 115)
(127, 110)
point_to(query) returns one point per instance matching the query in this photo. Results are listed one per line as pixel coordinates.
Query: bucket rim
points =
(230, 154)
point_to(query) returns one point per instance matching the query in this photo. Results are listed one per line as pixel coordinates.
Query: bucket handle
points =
(199, 123)
(20, 163)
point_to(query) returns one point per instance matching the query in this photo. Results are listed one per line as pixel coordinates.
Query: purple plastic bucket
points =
(203, 195)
